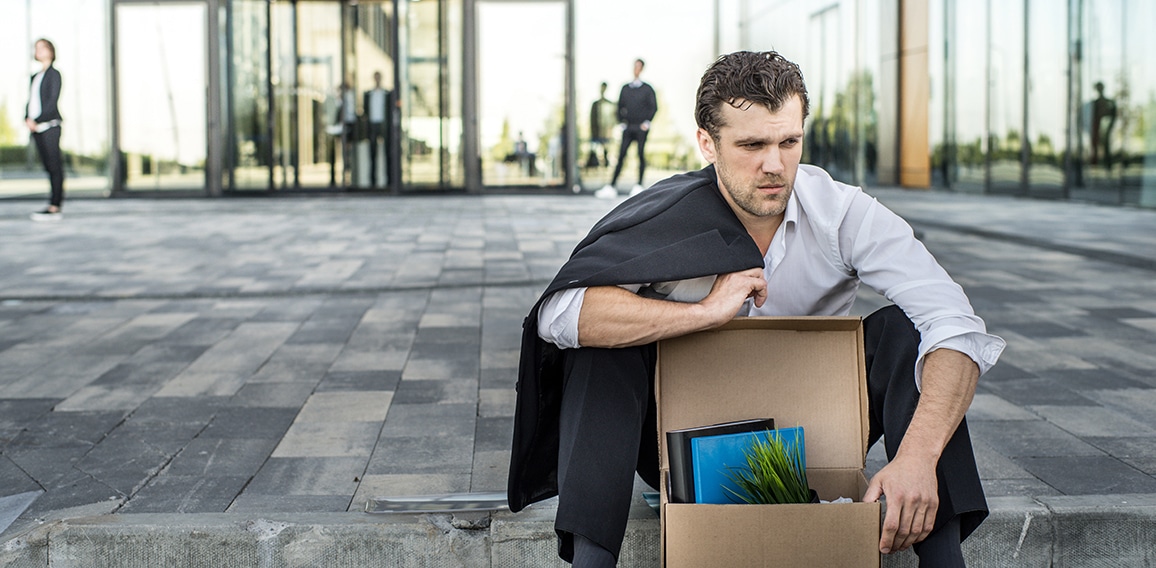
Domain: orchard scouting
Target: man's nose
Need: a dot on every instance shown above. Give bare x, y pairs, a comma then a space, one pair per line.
773, 161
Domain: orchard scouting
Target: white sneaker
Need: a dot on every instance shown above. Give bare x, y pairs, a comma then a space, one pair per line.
607, 192
636, 190
47, 215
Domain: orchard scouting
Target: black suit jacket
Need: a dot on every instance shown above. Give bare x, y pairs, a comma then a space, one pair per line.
49, 95
679, 228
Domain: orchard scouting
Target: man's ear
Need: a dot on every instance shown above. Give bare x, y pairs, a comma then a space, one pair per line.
706, 145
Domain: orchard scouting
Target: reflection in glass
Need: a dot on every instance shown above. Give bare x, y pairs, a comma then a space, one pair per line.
968, 63
1138, 116
371, 56
422, 104
1006, 97
161, 95
521, 136
1139, 160
1047, 96
1102, 91
250, 149
321, 132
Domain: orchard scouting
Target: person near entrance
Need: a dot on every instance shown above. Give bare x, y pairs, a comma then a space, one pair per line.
42, 117
602, 120
377, 112
754, 233
347, 118
637, 105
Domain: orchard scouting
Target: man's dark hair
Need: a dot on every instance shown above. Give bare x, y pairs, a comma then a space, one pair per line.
744, 78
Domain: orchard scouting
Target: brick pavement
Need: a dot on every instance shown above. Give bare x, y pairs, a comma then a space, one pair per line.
258, 356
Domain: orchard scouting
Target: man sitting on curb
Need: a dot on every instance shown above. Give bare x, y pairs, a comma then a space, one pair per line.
755, 233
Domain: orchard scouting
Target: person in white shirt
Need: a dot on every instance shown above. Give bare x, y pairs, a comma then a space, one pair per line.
42, 117
818, 240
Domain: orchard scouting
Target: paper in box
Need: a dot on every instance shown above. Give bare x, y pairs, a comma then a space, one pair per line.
803, 371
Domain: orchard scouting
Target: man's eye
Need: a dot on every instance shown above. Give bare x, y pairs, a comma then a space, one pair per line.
790, 142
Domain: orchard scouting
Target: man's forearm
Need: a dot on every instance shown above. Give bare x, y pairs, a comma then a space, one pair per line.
949, 381
614, 317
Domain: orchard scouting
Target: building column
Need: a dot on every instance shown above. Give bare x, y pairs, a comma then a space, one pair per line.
914, 95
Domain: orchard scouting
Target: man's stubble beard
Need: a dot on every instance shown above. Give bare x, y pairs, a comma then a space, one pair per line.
750, 200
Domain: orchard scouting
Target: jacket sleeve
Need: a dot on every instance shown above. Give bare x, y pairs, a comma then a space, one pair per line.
50, 95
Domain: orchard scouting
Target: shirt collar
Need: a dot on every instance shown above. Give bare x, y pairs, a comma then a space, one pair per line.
791, 215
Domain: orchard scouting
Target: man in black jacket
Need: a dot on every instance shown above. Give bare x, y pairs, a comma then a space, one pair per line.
636, 107
755, 233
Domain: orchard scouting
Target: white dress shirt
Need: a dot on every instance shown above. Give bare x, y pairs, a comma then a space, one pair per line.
34, 108
833, 237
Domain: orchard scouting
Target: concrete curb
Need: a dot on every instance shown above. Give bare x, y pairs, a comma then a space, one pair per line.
1113, 530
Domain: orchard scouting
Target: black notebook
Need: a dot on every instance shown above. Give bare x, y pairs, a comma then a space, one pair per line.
681, 488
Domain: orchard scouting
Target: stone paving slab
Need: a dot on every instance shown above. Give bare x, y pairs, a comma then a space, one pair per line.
192, 356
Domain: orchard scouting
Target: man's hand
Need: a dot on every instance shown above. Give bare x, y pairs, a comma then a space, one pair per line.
614, 317
731, 290
912, 501
31, 124
909, 481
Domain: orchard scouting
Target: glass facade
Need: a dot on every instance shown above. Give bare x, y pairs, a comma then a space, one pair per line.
1039, 98
1066, 103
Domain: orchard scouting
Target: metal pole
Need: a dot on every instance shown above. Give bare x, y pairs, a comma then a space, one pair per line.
571, 130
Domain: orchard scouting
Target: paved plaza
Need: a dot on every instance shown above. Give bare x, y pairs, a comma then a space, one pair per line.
184, 362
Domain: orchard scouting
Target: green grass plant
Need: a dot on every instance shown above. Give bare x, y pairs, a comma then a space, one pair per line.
774, 472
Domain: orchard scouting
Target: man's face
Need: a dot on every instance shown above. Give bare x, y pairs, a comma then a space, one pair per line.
637, 69
757, 156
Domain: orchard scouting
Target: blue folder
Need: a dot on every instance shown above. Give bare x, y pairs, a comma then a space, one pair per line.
712, 455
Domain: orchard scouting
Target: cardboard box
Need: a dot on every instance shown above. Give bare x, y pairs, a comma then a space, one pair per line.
805, 372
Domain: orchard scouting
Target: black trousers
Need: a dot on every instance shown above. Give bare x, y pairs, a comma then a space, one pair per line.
609, 431
48, 147
377, 133
633, 133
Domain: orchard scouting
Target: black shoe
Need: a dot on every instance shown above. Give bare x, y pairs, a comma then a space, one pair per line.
47, 215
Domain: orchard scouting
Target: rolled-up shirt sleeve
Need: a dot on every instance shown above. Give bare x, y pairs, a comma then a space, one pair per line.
558, 317
887, 257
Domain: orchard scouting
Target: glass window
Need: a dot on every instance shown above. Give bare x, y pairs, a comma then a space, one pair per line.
250, 151
968, 63
1138, 123
319, 130
1047, 96
371, 58
1006, 97
521, 136
1102, 93
161, 98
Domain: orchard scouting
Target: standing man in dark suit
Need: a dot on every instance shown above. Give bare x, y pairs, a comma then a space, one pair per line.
42, 116
636, 107
377, 111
